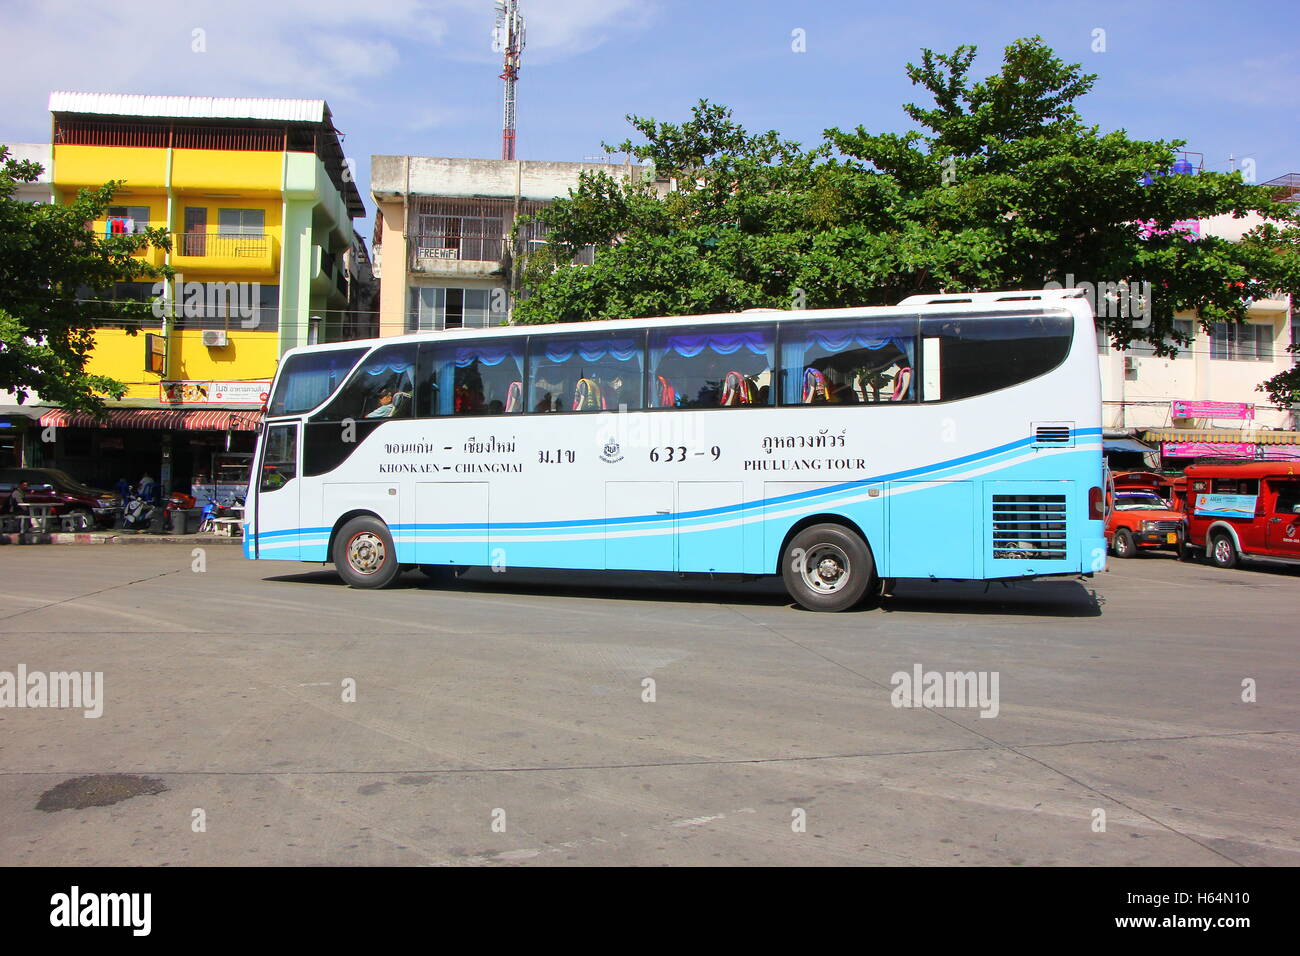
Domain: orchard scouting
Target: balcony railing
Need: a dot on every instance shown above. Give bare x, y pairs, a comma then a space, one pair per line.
216, 245
428, 251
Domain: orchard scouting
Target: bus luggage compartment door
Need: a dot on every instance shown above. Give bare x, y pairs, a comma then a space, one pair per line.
931, 529
710, 542
451, 523
639, 526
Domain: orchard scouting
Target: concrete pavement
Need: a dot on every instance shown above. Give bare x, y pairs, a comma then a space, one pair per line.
506, 719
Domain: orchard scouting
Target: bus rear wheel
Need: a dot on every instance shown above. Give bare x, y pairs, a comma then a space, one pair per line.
364, 554
827, 567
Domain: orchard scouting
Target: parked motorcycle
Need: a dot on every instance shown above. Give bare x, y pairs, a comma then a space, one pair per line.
138, 514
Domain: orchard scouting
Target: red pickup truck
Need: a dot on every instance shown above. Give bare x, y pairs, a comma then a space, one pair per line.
1139, 517
1248, 511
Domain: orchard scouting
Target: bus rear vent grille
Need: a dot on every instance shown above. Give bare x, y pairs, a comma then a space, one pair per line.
1029, 527
1052, 435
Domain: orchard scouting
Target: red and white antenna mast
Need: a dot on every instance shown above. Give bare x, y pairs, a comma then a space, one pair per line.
508, 37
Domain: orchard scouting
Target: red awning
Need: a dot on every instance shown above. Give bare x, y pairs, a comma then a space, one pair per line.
207, 420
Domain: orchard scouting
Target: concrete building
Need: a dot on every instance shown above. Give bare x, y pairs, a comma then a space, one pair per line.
43, 189
259, 207
442, 234
1216, 378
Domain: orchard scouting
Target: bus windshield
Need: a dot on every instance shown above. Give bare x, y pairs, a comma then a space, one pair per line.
309, 378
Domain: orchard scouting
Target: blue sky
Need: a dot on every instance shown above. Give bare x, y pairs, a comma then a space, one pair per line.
404, 76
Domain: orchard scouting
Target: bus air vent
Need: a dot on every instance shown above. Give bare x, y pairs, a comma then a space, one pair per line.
1053, 433
1029, 527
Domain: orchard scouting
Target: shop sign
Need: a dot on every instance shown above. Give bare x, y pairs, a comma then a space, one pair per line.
1233, 410
216, 393
1207, 449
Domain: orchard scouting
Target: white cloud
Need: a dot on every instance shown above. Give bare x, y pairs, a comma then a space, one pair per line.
339, 50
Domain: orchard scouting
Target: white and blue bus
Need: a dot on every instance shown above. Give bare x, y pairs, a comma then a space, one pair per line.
951, 437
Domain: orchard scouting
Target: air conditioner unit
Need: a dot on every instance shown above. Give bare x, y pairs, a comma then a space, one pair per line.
215, 338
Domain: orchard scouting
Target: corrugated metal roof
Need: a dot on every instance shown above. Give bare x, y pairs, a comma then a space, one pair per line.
189, 107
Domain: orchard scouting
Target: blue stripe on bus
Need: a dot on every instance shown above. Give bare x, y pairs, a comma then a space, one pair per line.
932, 470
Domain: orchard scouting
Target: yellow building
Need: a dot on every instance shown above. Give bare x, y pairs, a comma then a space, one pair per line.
259, 200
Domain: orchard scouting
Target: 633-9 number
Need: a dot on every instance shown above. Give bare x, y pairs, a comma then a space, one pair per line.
679, 453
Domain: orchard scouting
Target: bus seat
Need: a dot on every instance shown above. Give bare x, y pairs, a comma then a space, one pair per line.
667, 395
814, 384
587, 395
901, 383
514, 397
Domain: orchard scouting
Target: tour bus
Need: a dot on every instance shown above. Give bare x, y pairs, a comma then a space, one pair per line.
951, 437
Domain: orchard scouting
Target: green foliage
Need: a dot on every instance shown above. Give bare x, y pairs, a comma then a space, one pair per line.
49, 258
1002, 187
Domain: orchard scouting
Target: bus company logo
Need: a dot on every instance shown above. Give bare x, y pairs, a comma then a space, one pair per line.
610, 453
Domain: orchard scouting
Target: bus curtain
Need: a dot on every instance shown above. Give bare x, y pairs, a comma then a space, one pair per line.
313, 379
794, 351
486, 354
723, 343
623, 350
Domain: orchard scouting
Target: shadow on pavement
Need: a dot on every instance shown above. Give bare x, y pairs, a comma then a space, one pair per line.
1041, 598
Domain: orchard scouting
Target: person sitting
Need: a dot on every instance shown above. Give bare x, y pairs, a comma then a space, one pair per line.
16, 498
389, 401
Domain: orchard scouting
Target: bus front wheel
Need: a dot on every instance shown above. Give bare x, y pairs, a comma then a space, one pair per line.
364, 554
827, 567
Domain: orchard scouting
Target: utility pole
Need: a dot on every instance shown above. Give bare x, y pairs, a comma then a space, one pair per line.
508, 38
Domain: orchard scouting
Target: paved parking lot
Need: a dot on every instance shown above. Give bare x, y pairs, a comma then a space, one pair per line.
506, 719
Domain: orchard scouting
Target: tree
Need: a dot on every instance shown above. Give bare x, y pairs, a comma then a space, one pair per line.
1002, 187
57, 281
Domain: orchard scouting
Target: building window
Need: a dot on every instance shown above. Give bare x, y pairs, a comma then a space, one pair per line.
1243, 343
126, 220
434, 308
233, 306
241, 222
1181, 326
460, 229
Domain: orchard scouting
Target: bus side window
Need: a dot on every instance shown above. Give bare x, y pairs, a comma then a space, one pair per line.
382, 387
848, 363
697, 362
487, 377
280, 461
977, 354
593, 371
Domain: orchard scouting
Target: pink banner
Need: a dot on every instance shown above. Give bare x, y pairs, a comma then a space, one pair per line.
1237, 410
1280, 452
1207, 449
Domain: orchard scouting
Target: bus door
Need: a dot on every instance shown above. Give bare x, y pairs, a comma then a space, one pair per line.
276, 516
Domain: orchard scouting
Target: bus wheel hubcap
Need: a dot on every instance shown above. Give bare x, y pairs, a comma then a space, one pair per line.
1222, 550
826, 569
366, 553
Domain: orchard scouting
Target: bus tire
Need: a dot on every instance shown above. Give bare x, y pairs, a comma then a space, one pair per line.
364, 554
1124, 546
827, 567
1222, 552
